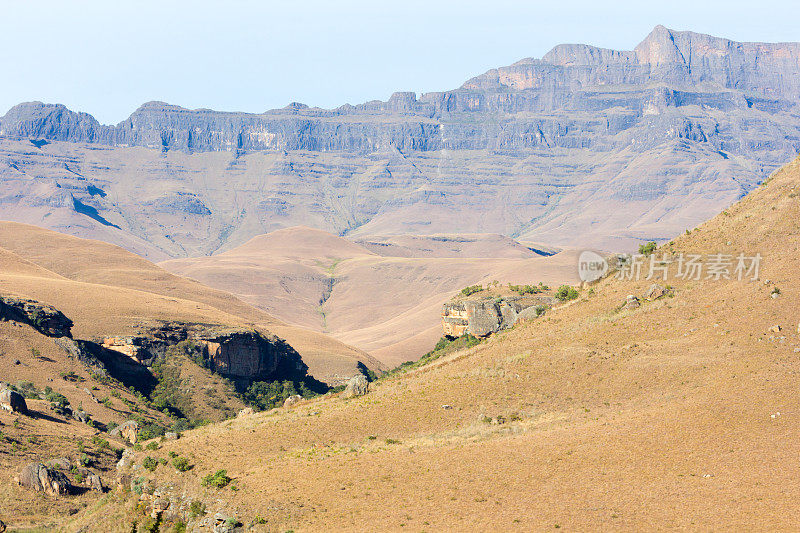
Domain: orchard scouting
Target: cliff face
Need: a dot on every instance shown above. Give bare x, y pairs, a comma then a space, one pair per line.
480, 317
600, 147
238, 354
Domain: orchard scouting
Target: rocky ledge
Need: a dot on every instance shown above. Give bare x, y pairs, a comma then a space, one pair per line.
46, 319
240, 354
482, 316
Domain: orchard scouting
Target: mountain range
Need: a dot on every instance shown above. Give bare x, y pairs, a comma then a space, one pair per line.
585, 146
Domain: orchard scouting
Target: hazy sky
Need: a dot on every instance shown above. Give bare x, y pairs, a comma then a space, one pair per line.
108, 57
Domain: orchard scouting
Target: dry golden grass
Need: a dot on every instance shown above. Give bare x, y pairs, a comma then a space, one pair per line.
106, 290
385, 300
665, 417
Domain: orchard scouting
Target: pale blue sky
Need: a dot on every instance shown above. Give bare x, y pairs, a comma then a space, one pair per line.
108, 57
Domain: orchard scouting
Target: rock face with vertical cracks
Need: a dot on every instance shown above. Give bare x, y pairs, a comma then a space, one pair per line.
240, 354
482, 316
583, 147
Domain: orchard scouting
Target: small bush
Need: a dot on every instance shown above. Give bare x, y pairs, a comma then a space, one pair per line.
181, 464
150, 463
647, 248
138, 485
101, 443
197, 508
471, 289
152, 445
566, 293
218, 479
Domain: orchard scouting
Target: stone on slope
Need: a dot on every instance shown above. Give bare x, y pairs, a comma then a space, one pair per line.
357, 386
13, 401
38, 477
655, 292
292, 400
128, 430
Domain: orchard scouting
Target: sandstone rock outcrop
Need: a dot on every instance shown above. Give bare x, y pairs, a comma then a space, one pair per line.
46, 319
11, 400
38, 477
239, 354
482, 316
128, 430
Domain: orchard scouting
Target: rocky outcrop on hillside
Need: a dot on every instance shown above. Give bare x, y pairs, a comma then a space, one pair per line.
11, 400
239, 354
46, 319
40, 478
601, 147
482, 316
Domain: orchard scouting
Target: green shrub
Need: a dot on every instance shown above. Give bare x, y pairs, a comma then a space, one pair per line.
218, 479
647, 248
471, 289
150, 463
522, 290
138, 485
181, 464
566, 293
152, 445
264, 395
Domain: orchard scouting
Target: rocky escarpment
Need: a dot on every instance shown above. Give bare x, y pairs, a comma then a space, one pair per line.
601, 147
46, 319
240, 354
667, 69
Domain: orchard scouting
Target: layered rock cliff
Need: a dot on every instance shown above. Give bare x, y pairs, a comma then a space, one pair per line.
599, 147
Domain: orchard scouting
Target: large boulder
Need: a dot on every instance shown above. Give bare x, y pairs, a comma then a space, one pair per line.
357, 386
127, 430
292, 400
247, 411
631, 303
13, 401
127, 459
94, 482
655, 292
40, 478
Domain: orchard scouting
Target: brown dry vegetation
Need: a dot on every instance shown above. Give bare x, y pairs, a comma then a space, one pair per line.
106, 290
382, 295
664, 417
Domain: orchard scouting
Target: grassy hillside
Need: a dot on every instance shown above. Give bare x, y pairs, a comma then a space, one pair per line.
382, 295
106, 290
680, 414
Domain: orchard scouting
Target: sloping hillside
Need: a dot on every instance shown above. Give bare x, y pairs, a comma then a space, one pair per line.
382, 295
678, 414
108, 291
